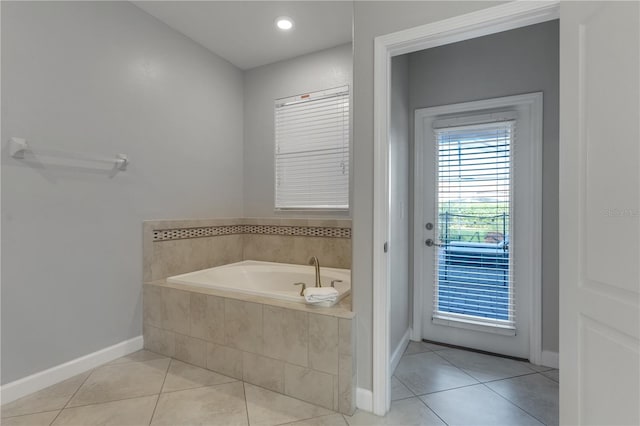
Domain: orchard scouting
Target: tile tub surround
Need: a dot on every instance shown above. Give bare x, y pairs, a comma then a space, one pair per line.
291, 348
172, 247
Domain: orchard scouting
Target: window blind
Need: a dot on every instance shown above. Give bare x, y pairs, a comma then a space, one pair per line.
473, 269
312, 150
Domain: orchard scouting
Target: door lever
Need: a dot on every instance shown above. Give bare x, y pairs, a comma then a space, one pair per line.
430, 243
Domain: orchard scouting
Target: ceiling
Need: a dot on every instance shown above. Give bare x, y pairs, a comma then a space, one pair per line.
244, 33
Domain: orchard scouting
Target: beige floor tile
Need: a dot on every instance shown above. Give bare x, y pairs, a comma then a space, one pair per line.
267, 408
52, 398
409, 411
40, 419
139, 356
419, 347
485, 367
120, 381
476, 405
214, 405
536, 394
539, 368
427, 372
128, 412
183, 376
398, 390
330, 420
552, 374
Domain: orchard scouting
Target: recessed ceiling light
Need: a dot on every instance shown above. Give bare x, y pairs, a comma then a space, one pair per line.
284, 23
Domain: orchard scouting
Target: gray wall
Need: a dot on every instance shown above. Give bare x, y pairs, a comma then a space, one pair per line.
102, 78
372, 19
262, 86
519, 61
400, 306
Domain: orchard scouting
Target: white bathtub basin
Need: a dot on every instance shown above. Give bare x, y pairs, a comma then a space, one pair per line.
267, 279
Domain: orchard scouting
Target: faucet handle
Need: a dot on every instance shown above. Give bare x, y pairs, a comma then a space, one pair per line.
304, 286
333, 282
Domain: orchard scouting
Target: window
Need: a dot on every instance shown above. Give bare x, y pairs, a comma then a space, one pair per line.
474, 205
312, 150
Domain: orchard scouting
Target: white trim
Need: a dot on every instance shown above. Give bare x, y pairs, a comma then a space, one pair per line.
364, 399
550, 359
399, 351
503, 17
43, 379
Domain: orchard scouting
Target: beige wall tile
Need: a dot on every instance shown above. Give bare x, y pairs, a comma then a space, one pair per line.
332, 252
191, 350
243, 325
309, 385
158, 340
286, 334
263, 371
323, 343
175, 310
173, 257
346, 336
152, 305
224, 360
207, 317
346, 388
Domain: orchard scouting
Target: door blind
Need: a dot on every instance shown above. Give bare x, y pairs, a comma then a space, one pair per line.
473, 267
312, 150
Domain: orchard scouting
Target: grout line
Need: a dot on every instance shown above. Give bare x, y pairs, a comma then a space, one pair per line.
433, 411
200, 387
452, 364
74, 394
450, 389
246, 404
305, 419
510, 377
403, 384
166, 373
29, 414
514, 404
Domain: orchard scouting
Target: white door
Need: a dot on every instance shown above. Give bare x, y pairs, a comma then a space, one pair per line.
599, 213
479, 190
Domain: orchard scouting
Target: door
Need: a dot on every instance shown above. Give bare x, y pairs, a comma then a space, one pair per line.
481, 253
599, 213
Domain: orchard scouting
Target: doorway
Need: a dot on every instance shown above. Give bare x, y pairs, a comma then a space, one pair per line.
503, 18
477, 222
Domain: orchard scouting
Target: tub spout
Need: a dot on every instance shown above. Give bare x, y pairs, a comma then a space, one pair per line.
313, 260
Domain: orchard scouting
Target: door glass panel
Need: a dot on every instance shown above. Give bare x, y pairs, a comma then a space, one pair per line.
473, 268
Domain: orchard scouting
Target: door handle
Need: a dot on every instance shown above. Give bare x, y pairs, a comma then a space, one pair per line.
431, 243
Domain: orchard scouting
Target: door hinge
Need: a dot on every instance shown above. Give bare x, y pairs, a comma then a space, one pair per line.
386, 247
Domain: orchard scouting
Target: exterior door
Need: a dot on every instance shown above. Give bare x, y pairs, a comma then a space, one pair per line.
599, 213
479, 210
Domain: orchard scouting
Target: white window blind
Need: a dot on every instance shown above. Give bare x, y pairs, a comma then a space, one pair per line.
312, 150
473, 269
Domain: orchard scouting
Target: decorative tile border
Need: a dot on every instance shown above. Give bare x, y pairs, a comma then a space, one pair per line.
211, 231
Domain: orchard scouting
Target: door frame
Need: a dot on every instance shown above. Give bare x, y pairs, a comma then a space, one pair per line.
528, 107
487, 21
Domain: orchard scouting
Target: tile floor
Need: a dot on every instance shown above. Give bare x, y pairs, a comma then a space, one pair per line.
433, 385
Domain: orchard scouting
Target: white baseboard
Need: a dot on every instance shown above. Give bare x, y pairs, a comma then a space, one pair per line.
364, 399
397, 353
550, 359
43, 379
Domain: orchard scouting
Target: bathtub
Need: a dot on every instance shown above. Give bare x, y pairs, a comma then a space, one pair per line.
267, 279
